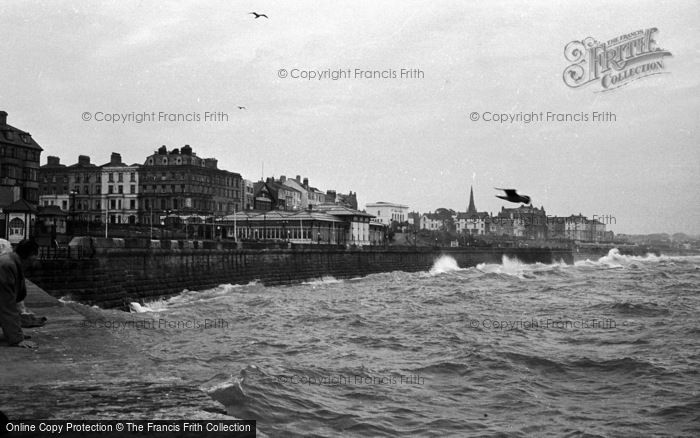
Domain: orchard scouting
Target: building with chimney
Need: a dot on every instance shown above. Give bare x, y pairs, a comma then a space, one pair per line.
310, 196
524, 221
576, 227
349, 200
178, 182
274, 194
19, 166
119, 194
75, 189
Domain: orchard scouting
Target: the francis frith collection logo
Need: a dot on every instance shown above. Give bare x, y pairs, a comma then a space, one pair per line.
614, 63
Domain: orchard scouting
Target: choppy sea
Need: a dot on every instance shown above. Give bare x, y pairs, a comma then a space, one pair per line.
607, 347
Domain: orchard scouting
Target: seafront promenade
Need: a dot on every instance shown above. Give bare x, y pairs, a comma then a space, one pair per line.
79, 371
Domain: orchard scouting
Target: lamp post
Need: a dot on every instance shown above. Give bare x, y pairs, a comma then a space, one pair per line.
165, 222
72, 211
106, 217
235, 228
213, 230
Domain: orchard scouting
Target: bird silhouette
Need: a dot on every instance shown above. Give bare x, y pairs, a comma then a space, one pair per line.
241, 108
512, 196
258, 15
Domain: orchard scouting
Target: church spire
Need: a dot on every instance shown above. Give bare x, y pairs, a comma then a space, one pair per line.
472, 208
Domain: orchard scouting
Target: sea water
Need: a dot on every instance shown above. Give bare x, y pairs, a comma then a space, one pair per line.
607, 347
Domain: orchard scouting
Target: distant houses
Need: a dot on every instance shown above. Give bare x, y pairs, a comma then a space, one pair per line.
523, 222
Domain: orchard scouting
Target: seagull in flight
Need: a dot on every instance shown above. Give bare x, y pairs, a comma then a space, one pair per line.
258, 15
512, 196
242, 108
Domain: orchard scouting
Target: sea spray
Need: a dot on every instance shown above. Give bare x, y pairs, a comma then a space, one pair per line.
444, 264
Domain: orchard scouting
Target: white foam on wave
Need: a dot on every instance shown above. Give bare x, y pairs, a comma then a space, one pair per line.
148, 307
444, 264
516, 268
508, 266
613, 259
326, 279
188, 298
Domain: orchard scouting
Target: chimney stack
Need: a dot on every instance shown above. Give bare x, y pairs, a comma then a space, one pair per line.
298, 178
53, 161
83, 159
115, 158
3, 118
306, 183
283, 178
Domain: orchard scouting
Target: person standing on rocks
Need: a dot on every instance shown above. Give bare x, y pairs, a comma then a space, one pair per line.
13, 290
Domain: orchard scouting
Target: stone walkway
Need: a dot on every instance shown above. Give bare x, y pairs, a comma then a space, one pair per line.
83, 372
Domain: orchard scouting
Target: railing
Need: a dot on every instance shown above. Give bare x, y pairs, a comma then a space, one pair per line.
62, 252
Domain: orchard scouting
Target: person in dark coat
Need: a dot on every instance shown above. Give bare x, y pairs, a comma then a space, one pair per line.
13, 290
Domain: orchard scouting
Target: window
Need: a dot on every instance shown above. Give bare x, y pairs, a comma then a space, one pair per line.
113, 204
132, 204
120, 177
132, 189
133, 177
110, 189
111, 177
17, 227
121, 190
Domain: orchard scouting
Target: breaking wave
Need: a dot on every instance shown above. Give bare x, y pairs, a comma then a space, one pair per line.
444, 264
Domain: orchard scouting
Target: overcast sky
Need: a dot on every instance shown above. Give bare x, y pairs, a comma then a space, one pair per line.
409, 141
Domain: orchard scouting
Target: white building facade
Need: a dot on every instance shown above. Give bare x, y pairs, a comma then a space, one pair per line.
388, 212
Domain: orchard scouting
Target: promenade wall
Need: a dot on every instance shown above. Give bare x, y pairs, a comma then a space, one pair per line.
112, 274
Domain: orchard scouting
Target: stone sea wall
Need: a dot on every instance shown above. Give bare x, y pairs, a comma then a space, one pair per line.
112, 274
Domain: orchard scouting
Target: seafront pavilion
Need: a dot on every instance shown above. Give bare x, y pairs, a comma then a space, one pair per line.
306, 226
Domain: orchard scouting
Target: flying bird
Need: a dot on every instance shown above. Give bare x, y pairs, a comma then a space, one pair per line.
512, 196
241, 108
258, 15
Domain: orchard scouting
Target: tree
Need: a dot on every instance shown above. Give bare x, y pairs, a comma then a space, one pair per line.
446, 216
